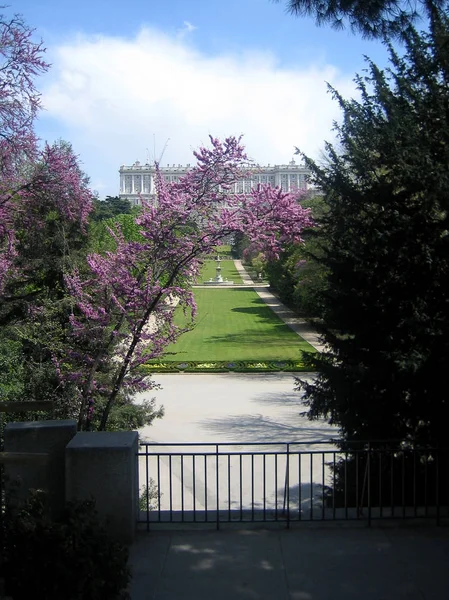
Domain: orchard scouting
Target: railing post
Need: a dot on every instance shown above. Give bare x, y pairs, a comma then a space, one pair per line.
369, 483
437, 483
147, 488
287, 483
218, 487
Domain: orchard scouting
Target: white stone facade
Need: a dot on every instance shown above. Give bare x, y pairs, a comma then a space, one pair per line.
137, 180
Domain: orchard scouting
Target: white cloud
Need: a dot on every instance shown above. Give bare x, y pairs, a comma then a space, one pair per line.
114, 96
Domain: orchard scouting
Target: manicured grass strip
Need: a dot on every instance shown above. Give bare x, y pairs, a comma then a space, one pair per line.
235, 325
228, 271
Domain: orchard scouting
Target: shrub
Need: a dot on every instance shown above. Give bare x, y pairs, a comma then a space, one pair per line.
149, 497
69, 557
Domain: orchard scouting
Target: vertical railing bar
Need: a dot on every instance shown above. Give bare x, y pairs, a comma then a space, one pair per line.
426, 481
229, 487
194, 486
252, 487
444, 471
323, 460
299, 487
218, 486
346, 486
357, 499
241, 490
276, 486
182, 488
158, 487
287, 483
147, 488
264, 486
170, 486
415, 507
311, 486
206, 515
437, 483
380, 485
369, 483
403, 484
334, 463
392, 483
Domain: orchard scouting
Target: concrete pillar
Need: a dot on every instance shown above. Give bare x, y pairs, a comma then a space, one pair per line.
103, 465
38, 437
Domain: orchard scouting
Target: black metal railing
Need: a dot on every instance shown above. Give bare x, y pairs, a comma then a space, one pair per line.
290, 482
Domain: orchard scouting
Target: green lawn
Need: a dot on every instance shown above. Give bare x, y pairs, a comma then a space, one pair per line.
228, 271
235, 325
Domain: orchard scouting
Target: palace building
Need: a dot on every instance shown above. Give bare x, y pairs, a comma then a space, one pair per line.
137, 180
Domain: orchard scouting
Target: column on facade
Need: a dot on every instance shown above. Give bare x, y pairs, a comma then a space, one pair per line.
277, 179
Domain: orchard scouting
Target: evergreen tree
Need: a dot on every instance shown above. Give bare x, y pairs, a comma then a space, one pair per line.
372, 18
386, 307
297, 276
109, 208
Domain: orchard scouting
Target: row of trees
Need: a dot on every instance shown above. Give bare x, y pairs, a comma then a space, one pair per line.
81, 313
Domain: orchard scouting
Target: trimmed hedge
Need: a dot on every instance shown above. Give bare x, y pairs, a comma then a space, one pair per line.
241, 366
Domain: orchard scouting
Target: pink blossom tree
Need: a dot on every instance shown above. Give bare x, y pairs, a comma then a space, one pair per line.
44, 205
123, 312
20, 62
33, 181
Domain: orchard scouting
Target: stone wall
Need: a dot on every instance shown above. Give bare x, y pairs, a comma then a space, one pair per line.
77, 466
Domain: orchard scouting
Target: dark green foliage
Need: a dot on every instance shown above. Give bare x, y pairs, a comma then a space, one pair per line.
109, 208
11, 370
373, 18
71, 557
298, 277
386, 307
126, 416
238, 244
100, 238
34, 308
283, 276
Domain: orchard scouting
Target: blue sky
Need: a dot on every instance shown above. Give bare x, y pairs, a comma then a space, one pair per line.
128, 76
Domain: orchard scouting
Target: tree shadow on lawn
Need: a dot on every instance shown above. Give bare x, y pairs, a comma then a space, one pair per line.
263, 312
248, 337
263, 429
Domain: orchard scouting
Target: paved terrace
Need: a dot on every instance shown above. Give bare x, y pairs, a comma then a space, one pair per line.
306, 563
